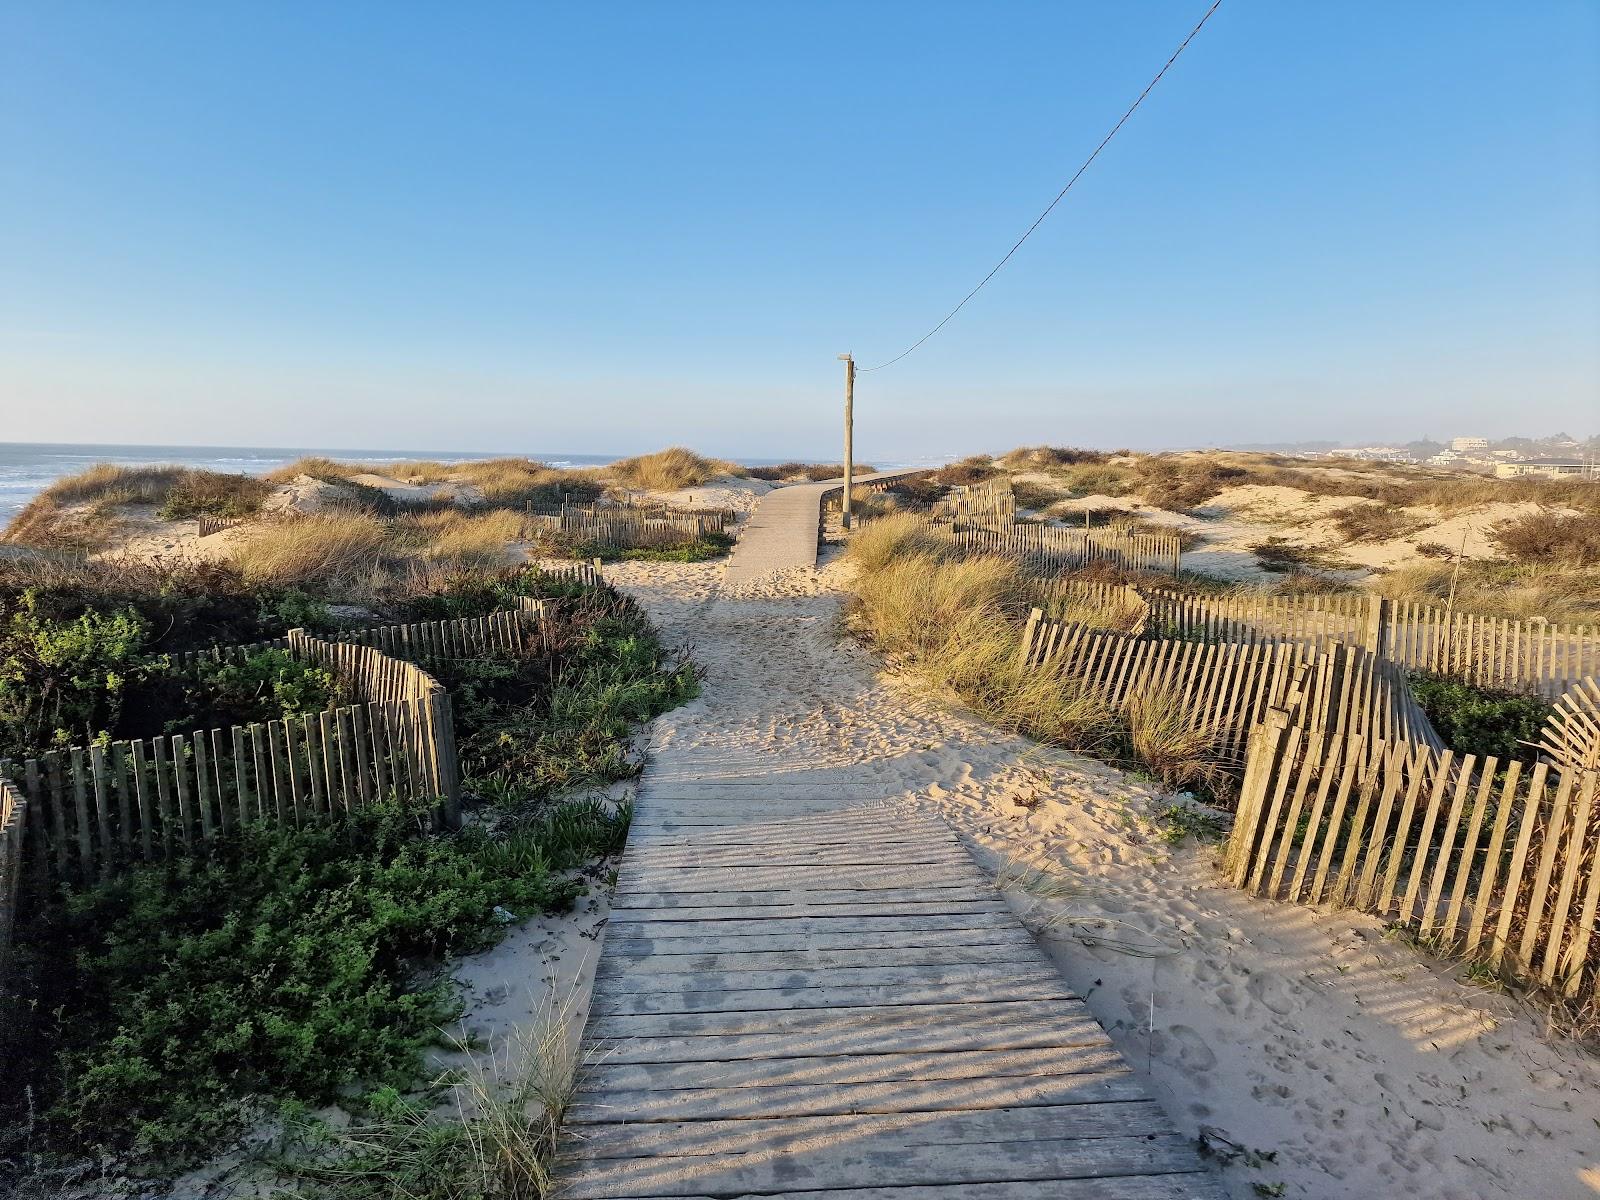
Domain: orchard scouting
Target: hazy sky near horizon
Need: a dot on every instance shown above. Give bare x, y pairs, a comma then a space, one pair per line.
603, 227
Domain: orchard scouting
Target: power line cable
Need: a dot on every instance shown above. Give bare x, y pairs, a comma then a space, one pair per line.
1149, 87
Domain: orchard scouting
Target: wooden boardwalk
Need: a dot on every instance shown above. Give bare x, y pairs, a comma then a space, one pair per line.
783, 531
799, 999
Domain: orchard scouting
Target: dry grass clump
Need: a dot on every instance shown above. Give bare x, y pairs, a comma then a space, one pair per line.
476, 538
671, 469
1179, 752
875, 544
1520, 592
957, 624
1037, 496
1049, 458
1376, 523
517, 482
1096, 479
79, 511
501, 482
1182, 483
317, 467
1280, 554
971, 470
1551, 539
312, 549
1119, 612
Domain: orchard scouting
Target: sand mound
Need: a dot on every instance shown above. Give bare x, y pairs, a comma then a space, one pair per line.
724, 491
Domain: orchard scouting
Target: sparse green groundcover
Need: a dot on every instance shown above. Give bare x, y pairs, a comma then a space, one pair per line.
1481, 721
299, 967
701, 549
282, 966
80, 663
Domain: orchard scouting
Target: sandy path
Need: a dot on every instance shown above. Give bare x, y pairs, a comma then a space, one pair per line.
1362, 1069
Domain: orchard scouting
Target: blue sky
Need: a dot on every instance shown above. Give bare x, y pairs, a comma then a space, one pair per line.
605, 227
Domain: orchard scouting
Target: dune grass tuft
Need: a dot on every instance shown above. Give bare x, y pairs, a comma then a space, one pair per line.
79, 511
671, 469
1166, 738
311, 549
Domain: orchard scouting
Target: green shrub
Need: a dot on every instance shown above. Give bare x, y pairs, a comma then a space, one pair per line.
195, 492
527, 729
455, 594
64, 680
280, 966
1481, 721
267, 685
700, 549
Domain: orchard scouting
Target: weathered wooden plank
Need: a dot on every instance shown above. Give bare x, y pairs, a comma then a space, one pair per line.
1067, 1021
864, 1133
731, 998
634, 923
877, 878
840, 1167
617, 964
801, 1100
866, 901
863, 976
639, 947
963, 1067
762, 858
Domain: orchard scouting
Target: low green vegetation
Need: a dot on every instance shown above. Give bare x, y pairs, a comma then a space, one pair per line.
1481, 721
701, 549
529, 728
286, 968
281, 967
88, 654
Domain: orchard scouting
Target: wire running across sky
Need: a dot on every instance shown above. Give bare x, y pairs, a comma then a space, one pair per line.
1104, 142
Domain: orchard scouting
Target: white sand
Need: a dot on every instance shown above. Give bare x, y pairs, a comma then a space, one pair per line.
1237, 519
724, 491
1365, 1069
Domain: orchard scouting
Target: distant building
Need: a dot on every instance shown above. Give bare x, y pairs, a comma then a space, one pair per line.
1466, 445
1548, 468
1395, 454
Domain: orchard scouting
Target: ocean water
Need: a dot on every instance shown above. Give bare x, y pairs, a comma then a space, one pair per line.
26, 469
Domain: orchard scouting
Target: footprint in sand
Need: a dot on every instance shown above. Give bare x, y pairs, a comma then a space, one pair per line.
1273, 992
1193, 1055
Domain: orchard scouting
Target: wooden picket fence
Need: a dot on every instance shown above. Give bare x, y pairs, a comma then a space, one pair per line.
1533, 656
13, 826
988, 505
1118, 607
626, 529
93, 809
1048, 549
1571, 734
1490, 861
1225, 689
209, 524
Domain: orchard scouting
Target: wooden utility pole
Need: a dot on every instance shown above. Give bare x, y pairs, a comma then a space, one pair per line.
849, 431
